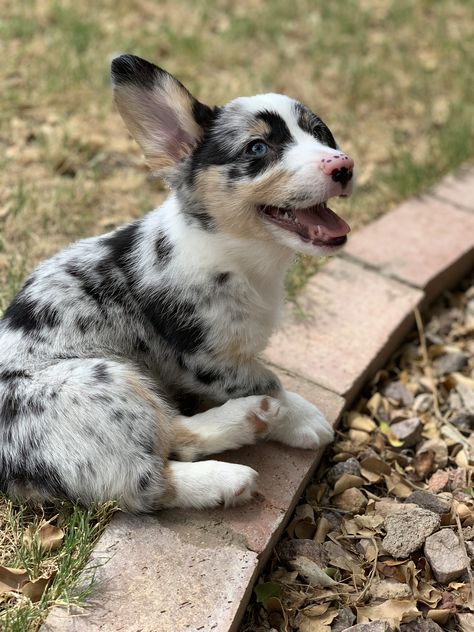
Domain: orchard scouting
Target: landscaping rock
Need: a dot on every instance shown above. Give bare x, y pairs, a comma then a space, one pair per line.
421, 625
429, 501
445, 556
291, 549
408, 431
386, 506
450, 363
470, 549
464, 420
373, 626
399, 393
351, 466
345, 618
406, 532
389, 589
439, 449
438, 482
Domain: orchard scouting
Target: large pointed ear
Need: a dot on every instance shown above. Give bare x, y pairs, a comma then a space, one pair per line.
162, 116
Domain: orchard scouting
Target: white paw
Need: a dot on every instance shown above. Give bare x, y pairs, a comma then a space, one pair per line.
206, 484
252, 416
301, 424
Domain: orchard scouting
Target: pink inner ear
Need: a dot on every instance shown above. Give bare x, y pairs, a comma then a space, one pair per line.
174, 136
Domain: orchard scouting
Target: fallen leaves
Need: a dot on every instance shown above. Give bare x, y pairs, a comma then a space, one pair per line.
376, 535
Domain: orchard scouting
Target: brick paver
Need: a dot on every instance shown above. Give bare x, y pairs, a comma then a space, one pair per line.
353, 319
194, 570
458, 188
424, 242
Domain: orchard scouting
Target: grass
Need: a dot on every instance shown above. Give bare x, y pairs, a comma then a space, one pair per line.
392, 78
20, 547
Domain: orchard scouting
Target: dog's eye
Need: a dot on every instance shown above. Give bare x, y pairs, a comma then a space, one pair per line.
257, 148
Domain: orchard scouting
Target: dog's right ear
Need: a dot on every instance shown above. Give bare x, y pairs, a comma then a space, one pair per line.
162, 116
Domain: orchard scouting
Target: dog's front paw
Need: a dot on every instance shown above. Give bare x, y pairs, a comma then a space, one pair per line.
301, 424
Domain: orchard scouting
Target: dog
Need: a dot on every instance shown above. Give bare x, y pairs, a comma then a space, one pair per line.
128, 358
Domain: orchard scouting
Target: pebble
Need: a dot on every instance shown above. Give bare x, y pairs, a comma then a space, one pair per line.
439, 449
399, 393
439, 481
408, 431
386, 507
450, 363
373, 626
345, 618
421, 625
423, 403
290, 549
429, 501
351, 466
406, 532
389, 589
464, 420
445, 556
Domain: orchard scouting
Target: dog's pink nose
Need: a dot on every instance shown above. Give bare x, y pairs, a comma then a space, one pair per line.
339, 167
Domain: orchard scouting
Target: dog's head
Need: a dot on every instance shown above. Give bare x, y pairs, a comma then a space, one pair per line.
261, 167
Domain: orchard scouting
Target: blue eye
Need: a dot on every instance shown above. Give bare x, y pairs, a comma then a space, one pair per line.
258, 148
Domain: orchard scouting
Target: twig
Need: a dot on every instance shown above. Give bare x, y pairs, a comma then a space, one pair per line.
463, 544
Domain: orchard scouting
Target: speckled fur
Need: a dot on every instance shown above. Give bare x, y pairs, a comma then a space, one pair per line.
114, 349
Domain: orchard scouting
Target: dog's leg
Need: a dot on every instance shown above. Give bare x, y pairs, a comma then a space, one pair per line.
298, 423
207, 484
236, 423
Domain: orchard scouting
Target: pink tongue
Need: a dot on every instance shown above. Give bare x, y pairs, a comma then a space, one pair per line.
322, 223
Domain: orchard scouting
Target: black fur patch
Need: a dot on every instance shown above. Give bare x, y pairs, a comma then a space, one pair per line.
7, 375
175, 321
163, 249
121, 244
101, 373
127, 69
222, 277
10, 404
312, 124
201, 218
26, 314
208, 376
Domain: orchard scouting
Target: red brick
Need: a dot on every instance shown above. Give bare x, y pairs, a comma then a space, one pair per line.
458, 188
353, 319
424, 242
195, 570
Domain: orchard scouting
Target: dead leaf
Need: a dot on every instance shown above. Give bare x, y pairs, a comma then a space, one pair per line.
49, 537
12, 579
35, 589
311, 572
346, 481
390, 435
321, 623
356, 421
395, 611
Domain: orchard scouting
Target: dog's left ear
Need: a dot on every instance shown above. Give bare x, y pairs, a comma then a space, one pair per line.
162, 116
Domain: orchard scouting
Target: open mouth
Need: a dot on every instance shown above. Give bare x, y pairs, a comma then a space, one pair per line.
316, 224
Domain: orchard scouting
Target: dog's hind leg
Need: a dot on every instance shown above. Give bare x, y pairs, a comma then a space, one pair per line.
238, 422
94, 430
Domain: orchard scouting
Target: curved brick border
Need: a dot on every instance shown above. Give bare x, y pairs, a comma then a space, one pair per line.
194, 571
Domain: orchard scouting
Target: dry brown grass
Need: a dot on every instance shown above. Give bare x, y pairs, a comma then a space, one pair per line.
391, 78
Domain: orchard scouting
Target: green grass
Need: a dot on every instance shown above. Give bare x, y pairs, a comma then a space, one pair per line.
81, 529
392, 78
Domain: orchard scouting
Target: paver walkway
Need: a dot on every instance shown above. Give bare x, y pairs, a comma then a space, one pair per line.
194, 571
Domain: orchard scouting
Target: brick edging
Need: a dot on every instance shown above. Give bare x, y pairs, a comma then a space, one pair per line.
190, 571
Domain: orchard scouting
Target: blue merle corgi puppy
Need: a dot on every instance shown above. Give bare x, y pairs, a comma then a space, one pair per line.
127, 359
